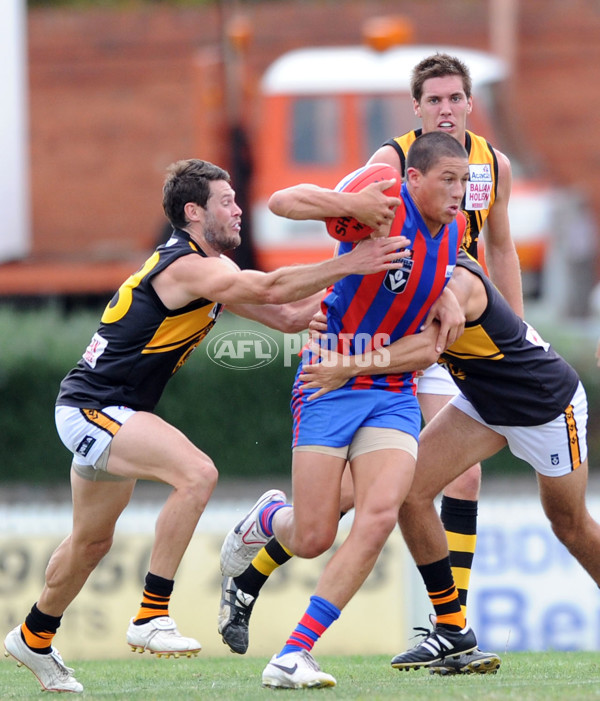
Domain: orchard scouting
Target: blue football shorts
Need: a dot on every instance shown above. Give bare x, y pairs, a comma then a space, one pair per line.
334, 418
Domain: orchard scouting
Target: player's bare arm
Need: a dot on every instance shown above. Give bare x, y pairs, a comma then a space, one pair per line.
292, 317
370, 206
500, 254
448, 312
193, 277
386, 154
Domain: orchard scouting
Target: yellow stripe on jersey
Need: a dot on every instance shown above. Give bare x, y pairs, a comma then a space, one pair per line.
177, 331
102, 420
475, 343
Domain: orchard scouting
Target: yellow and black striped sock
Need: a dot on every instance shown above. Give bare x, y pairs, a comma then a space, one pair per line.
272, 556
266, 561
155, 599
443, 594
39, 630
459, 517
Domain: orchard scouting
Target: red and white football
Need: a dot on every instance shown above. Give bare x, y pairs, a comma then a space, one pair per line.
349, 228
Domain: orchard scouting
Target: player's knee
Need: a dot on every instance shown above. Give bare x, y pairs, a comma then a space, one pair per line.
201, 476
386, 522
313, 542
97, 550
466, 486
409, 513
378, 526
209, 473
414, 501
569, 523
566, 527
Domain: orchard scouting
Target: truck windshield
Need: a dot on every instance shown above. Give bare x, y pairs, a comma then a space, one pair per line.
315, 129
384, 117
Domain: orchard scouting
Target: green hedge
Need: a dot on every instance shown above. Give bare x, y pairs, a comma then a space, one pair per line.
241, 418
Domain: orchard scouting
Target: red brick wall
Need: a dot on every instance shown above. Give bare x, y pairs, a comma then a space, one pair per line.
112, 100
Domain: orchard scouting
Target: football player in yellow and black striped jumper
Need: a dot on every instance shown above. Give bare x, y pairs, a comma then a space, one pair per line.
515, 390
105, 407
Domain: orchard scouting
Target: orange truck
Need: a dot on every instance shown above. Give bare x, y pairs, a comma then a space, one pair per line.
323, 111
315, 115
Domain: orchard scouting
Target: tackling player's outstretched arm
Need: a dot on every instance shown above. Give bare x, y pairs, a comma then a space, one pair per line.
215, 278
291, 317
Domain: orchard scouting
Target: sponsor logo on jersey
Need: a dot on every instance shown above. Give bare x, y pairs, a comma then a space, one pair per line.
480, 172
94, 350
479, 187
396, 280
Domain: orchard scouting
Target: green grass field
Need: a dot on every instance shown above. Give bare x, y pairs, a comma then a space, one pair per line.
546, 676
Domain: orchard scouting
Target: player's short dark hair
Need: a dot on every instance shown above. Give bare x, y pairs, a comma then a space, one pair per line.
188, 181
429, 148
437, 66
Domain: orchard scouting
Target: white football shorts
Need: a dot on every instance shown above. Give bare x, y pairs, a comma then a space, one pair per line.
436, 380
88, 433
552, 449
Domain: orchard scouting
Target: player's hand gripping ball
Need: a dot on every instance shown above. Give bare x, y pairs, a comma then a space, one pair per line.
349, 228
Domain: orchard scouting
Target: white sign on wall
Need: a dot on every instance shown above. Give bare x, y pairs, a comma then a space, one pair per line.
94, 626
527, 591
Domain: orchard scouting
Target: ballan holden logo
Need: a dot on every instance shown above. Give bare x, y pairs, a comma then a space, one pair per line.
242, 350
